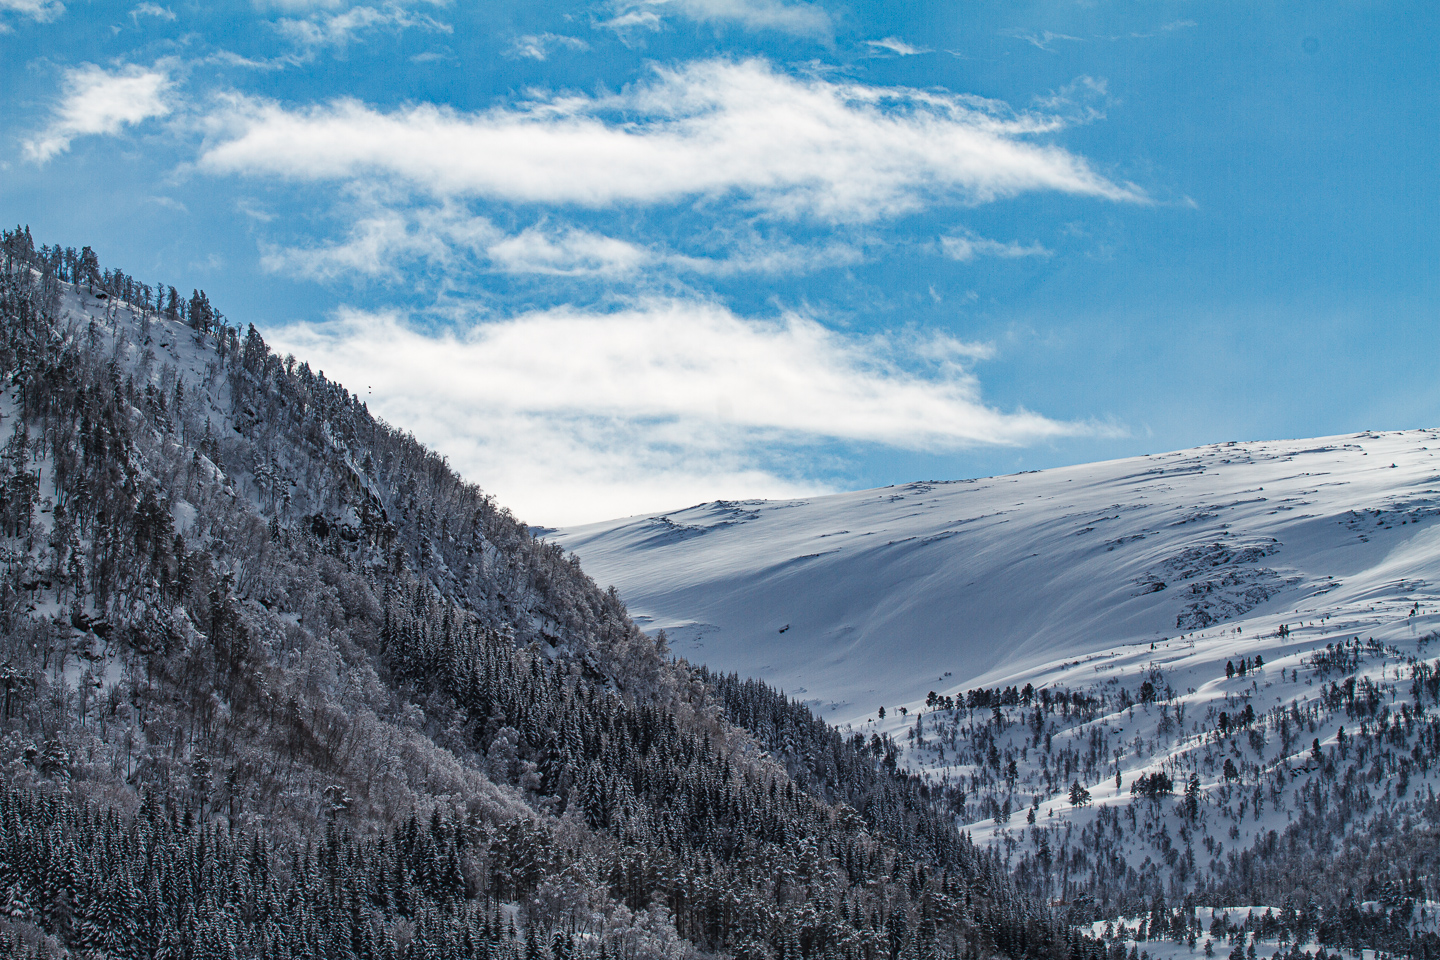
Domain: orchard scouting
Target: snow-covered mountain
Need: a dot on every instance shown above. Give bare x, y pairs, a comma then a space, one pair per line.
858, 600
1201, 677
1061, 654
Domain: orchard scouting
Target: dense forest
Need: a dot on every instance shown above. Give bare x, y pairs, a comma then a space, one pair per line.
278, 682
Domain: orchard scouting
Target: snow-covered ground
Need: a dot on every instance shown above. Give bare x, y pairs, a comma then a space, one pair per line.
159, 353
1067, 576
1099, 606
1218, 616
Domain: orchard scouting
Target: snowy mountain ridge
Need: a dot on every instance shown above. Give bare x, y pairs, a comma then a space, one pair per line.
855, 600
1197, 674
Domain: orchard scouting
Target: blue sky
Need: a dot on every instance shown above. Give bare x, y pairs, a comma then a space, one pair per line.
622, 256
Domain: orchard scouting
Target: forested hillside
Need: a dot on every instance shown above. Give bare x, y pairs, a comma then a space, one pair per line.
278, 682
1153, 825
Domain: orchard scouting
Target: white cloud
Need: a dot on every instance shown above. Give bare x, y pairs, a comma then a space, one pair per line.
384, 239
1044, 40
801, 19
99, 101
381, 242
41, 11
570, 416
630, 21
253, 210
896, 46
311, 6
765, 255
1159, 31
151, 10
1082, 100
340, 29
967, 246
227, 58
537, 46
789, 145
299, 6
567, 252
370, 250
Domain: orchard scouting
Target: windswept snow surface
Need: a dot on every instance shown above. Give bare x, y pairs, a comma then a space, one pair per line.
858, 600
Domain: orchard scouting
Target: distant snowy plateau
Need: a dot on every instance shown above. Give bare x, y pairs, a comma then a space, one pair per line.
1057, 578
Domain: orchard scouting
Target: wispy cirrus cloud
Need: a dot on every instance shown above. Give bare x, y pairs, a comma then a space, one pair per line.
574, 415
325, 29
308, 7
1082, 100
571, 251
381, 240
967, 245
1041, 39
567, 252
896, 46
538, 46
796, 17
791, 146
385, 241
754, 254
99, 101
151, 10
1160, 31
40, 11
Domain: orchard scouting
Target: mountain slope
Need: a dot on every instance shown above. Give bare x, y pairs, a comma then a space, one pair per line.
861, 599
1195, 678
252, 639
